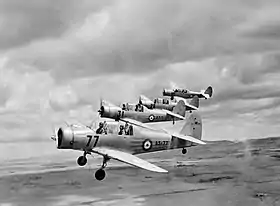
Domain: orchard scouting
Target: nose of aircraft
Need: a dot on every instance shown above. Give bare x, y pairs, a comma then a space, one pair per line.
64, 138
167, 92
101, 111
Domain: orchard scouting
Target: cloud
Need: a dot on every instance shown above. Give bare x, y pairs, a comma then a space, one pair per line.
131, 37
57, 60
24, 22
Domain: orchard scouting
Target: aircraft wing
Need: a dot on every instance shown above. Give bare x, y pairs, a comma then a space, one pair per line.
180, 136
128, 159
189, 106
173, 114
137, 123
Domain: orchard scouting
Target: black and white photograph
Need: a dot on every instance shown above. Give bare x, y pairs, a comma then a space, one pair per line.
139, 103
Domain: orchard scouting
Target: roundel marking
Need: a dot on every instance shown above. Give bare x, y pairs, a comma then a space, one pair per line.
151, 117
147, 145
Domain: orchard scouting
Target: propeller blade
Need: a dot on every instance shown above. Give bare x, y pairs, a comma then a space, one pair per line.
67, 124
53, 137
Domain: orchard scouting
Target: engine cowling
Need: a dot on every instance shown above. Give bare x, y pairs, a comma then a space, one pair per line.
110, 112
65, 138
168, 92
148, 104
78, 138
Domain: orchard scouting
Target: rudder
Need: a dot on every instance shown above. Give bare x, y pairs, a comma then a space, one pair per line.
195, 101
209, 91
193, 126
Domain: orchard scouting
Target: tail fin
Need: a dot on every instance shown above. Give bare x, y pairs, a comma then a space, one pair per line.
195, 101
208, 92
180, 108
193, 126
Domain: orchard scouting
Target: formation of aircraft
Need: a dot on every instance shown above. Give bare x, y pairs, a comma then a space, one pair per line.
141, 113
168, 104
127, 133
124, 146
187, 94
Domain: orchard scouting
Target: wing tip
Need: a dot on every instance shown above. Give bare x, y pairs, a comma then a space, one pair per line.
161, 170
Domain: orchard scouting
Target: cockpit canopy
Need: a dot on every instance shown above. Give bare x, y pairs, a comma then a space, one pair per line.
163, 101
117, 128
181, 90
132, 107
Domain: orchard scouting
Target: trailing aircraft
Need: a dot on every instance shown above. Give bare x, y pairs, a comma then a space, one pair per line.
168, 104
122, 141
188, 94
138, 112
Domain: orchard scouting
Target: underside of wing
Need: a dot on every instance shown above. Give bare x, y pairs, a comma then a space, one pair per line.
128, 159
174, 115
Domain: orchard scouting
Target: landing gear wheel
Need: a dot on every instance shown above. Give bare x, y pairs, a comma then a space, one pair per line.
100, 174
82, 161
184, 151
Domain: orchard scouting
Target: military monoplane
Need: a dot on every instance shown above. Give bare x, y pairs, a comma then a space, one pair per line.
130, 112
115, 143
188, 94
168, 103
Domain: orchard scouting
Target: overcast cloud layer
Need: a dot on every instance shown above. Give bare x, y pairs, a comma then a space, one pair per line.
58, 57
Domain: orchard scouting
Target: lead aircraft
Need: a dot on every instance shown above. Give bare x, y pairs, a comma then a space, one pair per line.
168, 104
123, 147
187, 94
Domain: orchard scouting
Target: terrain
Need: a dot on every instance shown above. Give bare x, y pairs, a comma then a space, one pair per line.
219, 173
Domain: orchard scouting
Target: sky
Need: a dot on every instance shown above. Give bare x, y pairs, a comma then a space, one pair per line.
58, 58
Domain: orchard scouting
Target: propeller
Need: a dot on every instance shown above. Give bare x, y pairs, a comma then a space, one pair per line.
140, 100
90, 125
101, 107
54, 135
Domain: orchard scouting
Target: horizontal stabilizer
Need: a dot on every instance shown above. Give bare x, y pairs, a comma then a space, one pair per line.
128, 159
188, 138
184, 137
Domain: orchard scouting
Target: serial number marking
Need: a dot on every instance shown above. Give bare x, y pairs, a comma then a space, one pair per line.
161, 142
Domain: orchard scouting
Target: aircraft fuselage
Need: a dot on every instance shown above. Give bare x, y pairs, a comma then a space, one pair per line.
144, 117
141, 141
